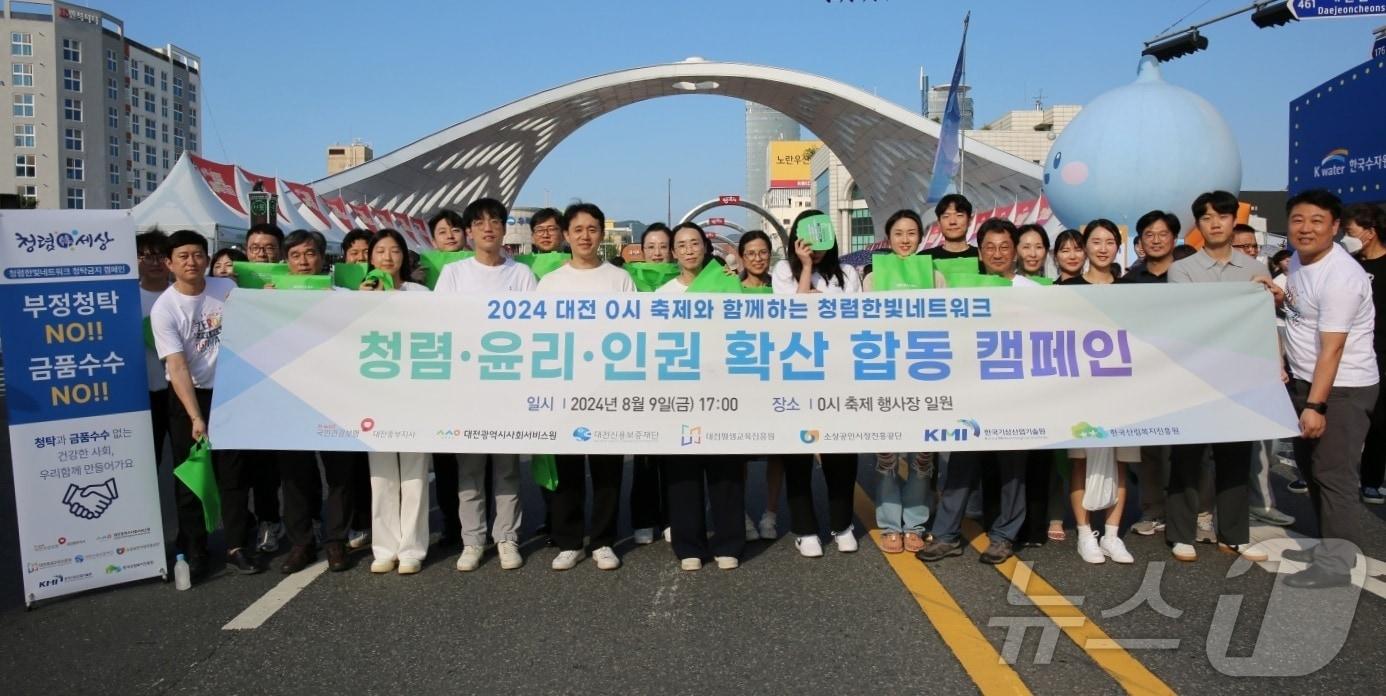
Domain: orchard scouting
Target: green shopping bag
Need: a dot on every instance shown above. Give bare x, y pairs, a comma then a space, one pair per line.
433, 262
349, 275
197, 473
386, 281
714, 278
544, 468
762, 290
649, 276
965, 264
303, 282
543, 264
976, 280
253, 275
895, 272
149, 334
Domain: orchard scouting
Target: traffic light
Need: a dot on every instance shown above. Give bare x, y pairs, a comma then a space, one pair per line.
1177, 47
1273, 14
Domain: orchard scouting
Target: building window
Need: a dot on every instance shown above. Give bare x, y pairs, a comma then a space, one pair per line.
72, 79
113, 173
135, 96
134, 70
112, 117
23, 106
112, 89
135, 176
177, 112
166, 162
76, 199
177, 87
72, 139
24, 166
149, 129
135, 201
113, 147
134, 124
24, 135
192, 91
863, 230
149, 75
148, 101
151, 181
111, 64
29, 192
22, 74
820, 192
163, 80
178, 139
163, 127
192, 145
76, 169
72, 109
115, 200
163, 106
151, 158
21, 43
72, 50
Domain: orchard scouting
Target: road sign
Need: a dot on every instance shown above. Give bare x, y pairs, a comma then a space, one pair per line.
1327, 9
729, 200
1379, 48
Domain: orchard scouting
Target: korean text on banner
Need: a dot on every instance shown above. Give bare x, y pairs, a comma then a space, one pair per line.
947, 370
78, 401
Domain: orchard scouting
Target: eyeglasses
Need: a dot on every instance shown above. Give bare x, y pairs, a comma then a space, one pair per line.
1248, 248
756, 255
546, 230
262, 248
1157, 235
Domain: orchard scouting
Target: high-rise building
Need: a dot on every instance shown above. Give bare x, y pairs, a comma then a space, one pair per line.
97, 118
341, 157
763, 125
934, 100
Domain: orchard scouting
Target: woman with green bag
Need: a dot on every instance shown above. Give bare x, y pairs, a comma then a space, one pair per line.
399, 480
718, 478
754, 250
649, 494
902, 267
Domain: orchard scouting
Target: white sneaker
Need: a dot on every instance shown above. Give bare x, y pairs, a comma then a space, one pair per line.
1114, 548
727, 562
644, 535
809, 546
1089, 550
606, 558
691, 564
382, 565
408, 567
359, 538
668, 535
846, 541
565, 560
1205, 533
1184, 552
267, 537
470, 558
509, 553
751, 533
767, 527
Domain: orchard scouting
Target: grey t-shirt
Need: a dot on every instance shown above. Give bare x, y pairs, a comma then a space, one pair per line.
1201, 268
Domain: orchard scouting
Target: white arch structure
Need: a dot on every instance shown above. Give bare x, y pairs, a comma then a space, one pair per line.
888, 149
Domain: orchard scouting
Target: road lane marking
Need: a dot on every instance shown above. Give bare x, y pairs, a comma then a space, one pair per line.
974, 652
1276, 540
274, 600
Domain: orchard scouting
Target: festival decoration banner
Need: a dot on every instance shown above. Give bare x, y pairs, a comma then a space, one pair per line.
994, 368
87, 496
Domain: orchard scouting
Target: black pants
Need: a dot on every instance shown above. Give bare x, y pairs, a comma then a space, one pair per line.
1332, 474
264, 480
725, 489
303, 496
840, 477
566, 515
359, 465
158, 418
1231, 476
233, 482
1374, 451
649, 494
1039, 469
445, 483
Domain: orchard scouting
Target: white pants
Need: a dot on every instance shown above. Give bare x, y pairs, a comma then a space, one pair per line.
471, 497
399, 505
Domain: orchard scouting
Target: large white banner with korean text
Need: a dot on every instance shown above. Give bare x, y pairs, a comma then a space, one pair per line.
1002, 368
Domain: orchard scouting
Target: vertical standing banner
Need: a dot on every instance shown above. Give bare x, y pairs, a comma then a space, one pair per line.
86, 490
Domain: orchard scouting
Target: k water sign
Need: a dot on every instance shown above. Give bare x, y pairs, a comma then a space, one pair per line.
86, 492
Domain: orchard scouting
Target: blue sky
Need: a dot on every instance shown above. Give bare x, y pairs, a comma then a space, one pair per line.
285, 79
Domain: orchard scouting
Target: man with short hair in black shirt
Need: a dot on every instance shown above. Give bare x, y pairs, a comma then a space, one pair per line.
1155, 235
1367, 223
954, 214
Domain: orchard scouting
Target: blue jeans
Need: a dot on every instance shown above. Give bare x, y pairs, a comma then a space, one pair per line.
903, 506
963, 475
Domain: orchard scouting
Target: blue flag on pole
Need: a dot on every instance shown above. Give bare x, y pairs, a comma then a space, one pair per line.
948, 157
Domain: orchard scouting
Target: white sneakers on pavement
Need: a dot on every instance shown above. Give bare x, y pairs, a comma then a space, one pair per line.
767, 527
809, 546
1089, 549
606, 558
509, 553
1184, 552
644, 535
751, 533
691, 564
470, 558
845, 540
727, 562
1114, 548
565, 560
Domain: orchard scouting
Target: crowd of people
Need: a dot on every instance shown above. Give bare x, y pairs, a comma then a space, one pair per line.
1326, 308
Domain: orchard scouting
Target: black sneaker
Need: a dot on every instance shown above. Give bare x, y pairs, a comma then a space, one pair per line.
243, 562
1298, 486
938, 550
197, 566
1298, 555
998, 552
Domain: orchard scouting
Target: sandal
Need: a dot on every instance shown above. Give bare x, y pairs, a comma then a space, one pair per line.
891, 542
1056, 533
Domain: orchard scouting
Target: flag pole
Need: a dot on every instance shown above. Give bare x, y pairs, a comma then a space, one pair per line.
962, 133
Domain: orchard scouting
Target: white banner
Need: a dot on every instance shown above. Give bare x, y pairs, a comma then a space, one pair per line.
85, 479
1000, 368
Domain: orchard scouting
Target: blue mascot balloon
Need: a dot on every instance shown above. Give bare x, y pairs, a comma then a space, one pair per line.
1145, 146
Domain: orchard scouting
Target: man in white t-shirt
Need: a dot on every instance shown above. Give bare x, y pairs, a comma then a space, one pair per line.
1329, 327
584, 225
149, 246
488, 273
187, 322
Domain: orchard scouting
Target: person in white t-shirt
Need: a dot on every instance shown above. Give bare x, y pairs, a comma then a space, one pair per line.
1329, 327
186, 321
807, 271
584, 225
149, 246
488, 273
399, 480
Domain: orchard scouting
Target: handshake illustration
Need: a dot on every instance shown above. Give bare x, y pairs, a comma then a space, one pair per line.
90, 502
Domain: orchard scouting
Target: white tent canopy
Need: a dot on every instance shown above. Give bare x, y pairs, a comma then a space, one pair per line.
184, 202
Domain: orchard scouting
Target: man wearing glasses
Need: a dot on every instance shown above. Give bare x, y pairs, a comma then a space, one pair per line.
1244, 240
545, 230
262, 245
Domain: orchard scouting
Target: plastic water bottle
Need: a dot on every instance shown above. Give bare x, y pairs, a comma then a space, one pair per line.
182, 577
